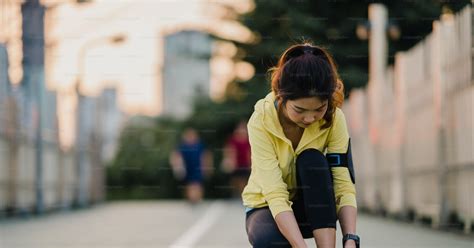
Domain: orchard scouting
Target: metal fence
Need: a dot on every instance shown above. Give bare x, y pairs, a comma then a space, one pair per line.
415, 155
18, 167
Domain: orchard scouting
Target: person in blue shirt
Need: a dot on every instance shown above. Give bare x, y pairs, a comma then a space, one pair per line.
191, 163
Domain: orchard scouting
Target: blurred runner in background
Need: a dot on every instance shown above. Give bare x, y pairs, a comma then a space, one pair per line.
191, 164
236, 159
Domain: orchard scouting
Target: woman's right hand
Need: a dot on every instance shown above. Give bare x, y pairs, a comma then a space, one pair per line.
288, 226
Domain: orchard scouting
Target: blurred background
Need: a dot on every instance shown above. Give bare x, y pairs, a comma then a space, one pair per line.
99, 100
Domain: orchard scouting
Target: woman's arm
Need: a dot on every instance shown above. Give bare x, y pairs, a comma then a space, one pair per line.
288, 226
344, 187
347, 219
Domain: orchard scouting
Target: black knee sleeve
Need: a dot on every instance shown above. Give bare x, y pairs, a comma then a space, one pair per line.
316, 187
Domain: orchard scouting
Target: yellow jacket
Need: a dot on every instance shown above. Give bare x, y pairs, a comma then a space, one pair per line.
272, 181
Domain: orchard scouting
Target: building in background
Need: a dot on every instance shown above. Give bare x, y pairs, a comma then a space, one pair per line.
114, 120
4, 80
186, 71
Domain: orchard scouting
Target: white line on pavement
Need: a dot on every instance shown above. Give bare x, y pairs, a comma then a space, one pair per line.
189, 238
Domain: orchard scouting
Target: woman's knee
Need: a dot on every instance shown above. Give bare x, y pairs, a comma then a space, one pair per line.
311, 154
312, 159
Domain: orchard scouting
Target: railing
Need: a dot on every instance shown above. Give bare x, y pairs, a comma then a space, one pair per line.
422, 161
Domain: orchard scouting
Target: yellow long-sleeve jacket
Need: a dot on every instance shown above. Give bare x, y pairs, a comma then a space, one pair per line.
272, 180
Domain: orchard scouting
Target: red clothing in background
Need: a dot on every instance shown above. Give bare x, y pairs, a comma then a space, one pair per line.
242, 149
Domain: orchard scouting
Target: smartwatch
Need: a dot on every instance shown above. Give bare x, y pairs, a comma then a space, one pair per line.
351, 236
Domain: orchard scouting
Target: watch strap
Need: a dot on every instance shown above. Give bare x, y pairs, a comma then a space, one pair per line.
354, 237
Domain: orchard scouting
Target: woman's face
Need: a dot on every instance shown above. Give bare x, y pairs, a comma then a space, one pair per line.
306, 111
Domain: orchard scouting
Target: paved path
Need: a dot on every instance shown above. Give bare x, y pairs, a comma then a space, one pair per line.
175, 224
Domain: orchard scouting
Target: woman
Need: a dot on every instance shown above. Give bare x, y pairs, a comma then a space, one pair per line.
295, 191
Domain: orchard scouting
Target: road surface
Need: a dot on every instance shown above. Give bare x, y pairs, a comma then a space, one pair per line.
174, 224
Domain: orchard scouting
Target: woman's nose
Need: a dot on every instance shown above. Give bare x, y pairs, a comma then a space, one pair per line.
309, 119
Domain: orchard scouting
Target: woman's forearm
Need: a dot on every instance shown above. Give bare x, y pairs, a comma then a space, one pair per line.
347, 219
288, 226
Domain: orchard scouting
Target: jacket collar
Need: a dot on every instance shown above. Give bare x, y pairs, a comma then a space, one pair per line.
272, 123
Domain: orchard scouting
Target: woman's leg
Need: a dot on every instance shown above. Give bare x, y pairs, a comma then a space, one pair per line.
316, 188
263, 231
314, 207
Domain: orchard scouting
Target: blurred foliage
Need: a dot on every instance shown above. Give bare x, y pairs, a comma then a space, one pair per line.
332, 24
141, 168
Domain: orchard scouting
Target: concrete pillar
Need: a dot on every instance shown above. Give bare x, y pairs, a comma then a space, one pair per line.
377, 66
33, 80
440, 122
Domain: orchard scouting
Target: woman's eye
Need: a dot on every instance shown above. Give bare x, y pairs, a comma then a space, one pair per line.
299, 112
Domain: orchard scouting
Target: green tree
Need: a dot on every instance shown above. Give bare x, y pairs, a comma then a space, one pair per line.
140, 169
331, 24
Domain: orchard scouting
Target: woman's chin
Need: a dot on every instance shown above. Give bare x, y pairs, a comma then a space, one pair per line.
303, 125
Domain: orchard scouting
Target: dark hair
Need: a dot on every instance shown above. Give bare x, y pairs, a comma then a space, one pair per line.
305, 70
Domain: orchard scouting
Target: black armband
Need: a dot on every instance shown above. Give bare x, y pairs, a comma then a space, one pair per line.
342, 160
